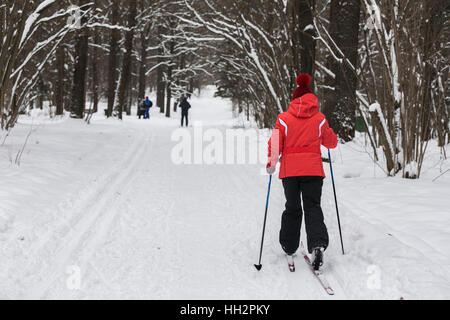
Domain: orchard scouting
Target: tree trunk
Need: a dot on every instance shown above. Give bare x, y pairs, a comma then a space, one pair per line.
142, 66
95, 77
78, 100
431, 29
293, 7
160, 85
169, 91
129, 98
307, 42
169, 80
385, 143
160, 88
342, 115
329, 93
59, 88
112, 67
40, 92
126, 66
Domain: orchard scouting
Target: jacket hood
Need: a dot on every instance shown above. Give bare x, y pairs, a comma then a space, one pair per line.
306, 106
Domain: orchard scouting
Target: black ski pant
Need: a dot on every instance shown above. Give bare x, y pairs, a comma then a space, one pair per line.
185, 115
310, 189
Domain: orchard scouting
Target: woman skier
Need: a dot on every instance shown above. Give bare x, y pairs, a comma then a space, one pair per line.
297, 138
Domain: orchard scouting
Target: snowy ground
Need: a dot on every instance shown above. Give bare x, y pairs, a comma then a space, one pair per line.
107, 201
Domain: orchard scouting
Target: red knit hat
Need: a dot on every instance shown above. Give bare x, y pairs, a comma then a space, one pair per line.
303, 81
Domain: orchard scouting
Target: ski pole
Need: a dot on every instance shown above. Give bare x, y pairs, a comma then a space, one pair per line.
259, 266
335, 200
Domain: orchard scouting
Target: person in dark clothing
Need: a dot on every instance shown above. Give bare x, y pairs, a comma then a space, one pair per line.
141, 109
297, 138
185, 106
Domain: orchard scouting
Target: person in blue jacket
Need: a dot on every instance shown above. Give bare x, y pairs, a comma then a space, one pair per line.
149, 104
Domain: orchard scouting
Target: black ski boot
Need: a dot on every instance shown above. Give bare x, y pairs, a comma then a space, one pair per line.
317, 258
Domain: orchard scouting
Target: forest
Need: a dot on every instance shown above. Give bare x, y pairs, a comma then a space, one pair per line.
379, 66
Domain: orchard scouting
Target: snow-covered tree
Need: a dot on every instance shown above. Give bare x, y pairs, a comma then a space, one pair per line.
28, 43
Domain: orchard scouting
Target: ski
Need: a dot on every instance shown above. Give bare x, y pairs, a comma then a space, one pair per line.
319, 274
291, 263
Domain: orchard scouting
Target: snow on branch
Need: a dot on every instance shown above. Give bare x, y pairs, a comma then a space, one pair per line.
238, 34
376, 109
34, 18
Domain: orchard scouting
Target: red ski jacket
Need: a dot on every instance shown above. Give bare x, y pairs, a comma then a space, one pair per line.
297, 138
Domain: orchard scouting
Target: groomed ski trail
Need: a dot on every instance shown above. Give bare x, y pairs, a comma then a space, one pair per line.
149, 229
108, 200
92, 218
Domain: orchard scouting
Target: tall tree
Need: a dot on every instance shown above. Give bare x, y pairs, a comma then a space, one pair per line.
95, 72
127, 59
329, 78
143, 60
160, 84
113, 49
160, 87
59, 86
305, 10
78, 100
169, 84
171, 63
341, 101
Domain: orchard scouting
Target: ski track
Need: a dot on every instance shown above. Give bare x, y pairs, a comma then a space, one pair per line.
150, 229
144, 228
92, 219
107, 209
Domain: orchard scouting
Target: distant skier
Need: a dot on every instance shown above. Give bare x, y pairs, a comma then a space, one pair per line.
185, 106
297, 138
141, 109
148, 105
